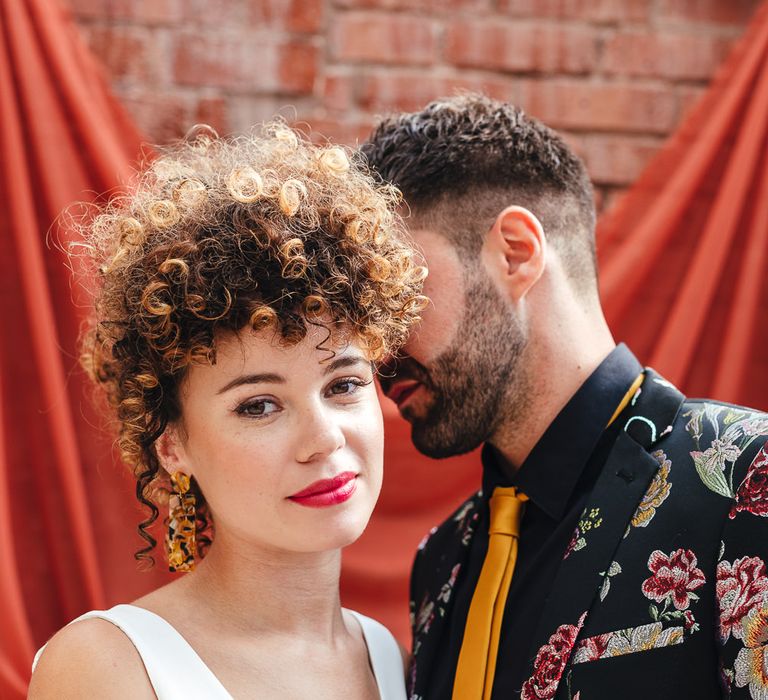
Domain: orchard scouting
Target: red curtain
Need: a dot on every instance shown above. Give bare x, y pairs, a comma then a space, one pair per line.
683, 256
682, 260
63, 507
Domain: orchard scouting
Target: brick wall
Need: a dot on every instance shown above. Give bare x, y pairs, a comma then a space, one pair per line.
614, 75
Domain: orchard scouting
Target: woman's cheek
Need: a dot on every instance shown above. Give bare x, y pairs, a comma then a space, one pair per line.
371, 438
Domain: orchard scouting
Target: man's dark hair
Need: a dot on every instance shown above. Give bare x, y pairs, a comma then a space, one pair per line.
461, 160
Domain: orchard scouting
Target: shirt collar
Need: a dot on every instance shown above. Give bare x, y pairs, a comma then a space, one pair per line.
551, 471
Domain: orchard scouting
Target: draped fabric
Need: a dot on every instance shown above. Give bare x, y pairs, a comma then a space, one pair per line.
63, 508
683, 256
682, 260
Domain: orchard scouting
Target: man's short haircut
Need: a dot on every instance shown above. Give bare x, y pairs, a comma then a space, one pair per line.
461, 160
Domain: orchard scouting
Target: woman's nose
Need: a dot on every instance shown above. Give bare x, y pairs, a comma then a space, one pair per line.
320, 434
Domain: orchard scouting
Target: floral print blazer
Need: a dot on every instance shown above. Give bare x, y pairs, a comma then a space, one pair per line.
663, 591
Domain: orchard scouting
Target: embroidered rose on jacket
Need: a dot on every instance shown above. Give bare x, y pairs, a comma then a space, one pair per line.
656, 494
675, 577
592, 648
741, 586
752, 494
751, 665
550, 663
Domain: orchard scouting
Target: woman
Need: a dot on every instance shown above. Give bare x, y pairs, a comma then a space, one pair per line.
247, 289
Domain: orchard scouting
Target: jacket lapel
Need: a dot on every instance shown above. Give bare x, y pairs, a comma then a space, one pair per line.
444, 572
619, 489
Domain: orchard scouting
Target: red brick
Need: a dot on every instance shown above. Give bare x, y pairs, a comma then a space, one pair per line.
733, 12
138, 11
431, 6
409, 90
297, 68
350, 132
213, 111
245, 61
385, 92
383, 38
689, 95
499, 88
305, 16
597, 11
301, 16
215, 13
160, 117
576, 142
244, 110
338, 90
135, 54
521, 47
617, 160
88, 9
588, 106
675, 55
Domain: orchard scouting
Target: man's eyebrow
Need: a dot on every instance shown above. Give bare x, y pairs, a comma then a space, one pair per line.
252, 379
346, 361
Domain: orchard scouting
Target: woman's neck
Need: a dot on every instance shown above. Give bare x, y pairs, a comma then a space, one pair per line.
254, 589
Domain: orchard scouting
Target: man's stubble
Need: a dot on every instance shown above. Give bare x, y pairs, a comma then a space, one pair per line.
478, 384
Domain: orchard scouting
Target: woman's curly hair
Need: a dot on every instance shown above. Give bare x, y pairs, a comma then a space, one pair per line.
223, 234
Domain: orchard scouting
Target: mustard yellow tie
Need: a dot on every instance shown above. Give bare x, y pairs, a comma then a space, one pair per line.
480, 647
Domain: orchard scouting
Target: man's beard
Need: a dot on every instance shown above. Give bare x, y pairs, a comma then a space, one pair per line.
475, 385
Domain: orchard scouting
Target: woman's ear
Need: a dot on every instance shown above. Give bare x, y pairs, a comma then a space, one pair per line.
514, 252
170, 451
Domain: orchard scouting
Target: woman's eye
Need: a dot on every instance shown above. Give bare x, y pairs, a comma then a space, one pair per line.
256, 409
347, 386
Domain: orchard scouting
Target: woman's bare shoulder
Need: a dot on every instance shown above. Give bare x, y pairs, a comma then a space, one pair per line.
90, 658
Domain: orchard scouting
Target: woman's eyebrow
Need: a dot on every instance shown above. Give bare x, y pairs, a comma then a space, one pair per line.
252, 379
272, 378
346, 361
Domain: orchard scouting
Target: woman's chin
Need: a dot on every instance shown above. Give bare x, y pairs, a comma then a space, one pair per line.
339, 531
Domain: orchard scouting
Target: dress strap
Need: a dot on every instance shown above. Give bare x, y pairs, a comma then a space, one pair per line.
385, 656
173, 666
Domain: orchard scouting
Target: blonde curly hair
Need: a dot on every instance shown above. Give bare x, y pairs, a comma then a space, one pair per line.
224, 234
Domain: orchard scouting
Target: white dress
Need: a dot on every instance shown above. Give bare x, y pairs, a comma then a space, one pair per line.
164, 651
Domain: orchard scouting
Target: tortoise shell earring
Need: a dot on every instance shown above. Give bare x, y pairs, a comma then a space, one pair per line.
180, 540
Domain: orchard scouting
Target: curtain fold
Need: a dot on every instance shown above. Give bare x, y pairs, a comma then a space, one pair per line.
683, 277
62, 139
683, 254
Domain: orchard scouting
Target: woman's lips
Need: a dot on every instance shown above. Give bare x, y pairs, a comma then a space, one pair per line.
327, 492
402, 390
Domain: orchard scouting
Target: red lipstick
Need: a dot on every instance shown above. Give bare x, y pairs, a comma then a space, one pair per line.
327, 492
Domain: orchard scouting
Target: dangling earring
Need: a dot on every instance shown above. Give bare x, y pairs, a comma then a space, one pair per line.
180, 541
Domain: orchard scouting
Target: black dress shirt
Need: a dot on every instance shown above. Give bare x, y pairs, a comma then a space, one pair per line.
557, 476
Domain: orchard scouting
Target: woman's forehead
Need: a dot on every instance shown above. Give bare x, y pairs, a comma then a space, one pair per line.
265, 351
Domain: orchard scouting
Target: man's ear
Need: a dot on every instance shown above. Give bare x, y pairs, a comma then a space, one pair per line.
514, 252
170, 451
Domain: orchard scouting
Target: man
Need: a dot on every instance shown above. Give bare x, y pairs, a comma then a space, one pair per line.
617, 548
